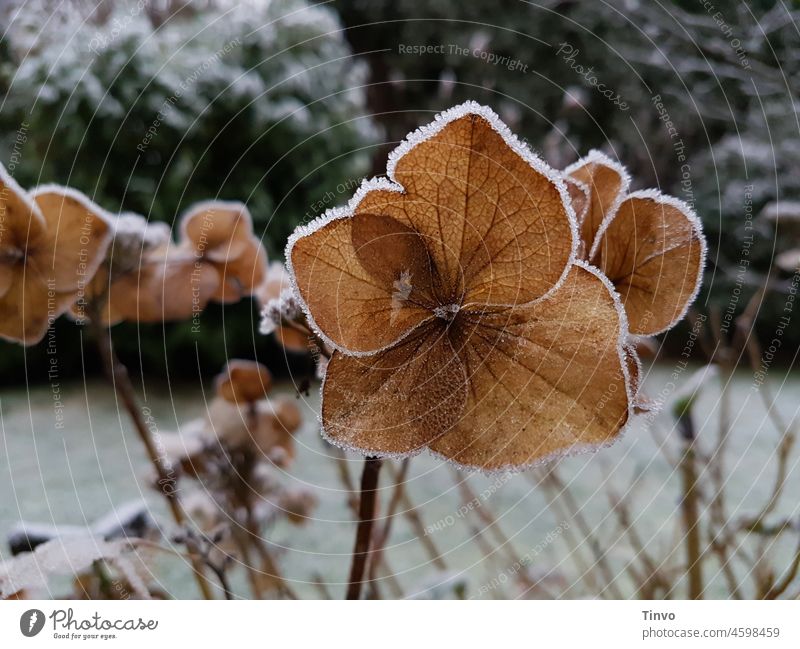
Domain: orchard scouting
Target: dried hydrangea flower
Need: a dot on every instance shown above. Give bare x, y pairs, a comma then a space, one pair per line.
144, 278
51, 244
217, 258
244, 382
168, 284
651, 246
277, 421
243, 417
459, 319
221, 234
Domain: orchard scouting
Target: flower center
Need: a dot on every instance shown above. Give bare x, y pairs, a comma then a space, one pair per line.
447, 311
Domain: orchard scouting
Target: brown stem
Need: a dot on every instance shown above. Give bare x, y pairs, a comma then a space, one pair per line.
786, 430
366, 516
352, 503
650, 580
690, 507
117, 373
780, 587
718, 539
269, 565
220, 573
250, 569
586, 572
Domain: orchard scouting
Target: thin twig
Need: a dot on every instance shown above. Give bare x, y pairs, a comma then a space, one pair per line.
651, 578
468, 497
690, 507
366, 516
352, 502
117, 374
576, 511
780, 587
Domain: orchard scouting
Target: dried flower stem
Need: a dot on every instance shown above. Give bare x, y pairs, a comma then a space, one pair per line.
690, 506
719, 541
650, 580
366, 516
780, 587
352, 503
220, 573
117, 373
788, 435
269, 565
584, 569
250, 569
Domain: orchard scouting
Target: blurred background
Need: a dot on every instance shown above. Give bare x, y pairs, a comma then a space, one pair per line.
287, 105
148, 106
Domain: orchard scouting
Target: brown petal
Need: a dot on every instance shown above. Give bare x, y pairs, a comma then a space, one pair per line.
165, 288
220, 230
634, 365
398, 400
545, 380
77, 237
353, 309
390, 251
91, 294
28, 307
21, 222
276, 420
653, 252
494, 221
244, 381
607, 182
641, 402
6, 277
243, 273
580, 196
292, 339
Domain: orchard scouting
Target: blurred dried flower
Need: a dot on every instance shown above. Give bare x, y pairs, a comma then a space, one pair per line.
278, 306
145, 279
51, 244
277, 420
221, 234
168, 285
243, 382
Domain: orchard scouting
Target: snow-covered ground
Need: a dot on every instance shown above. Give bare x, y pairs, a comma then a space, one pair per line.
76, 472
